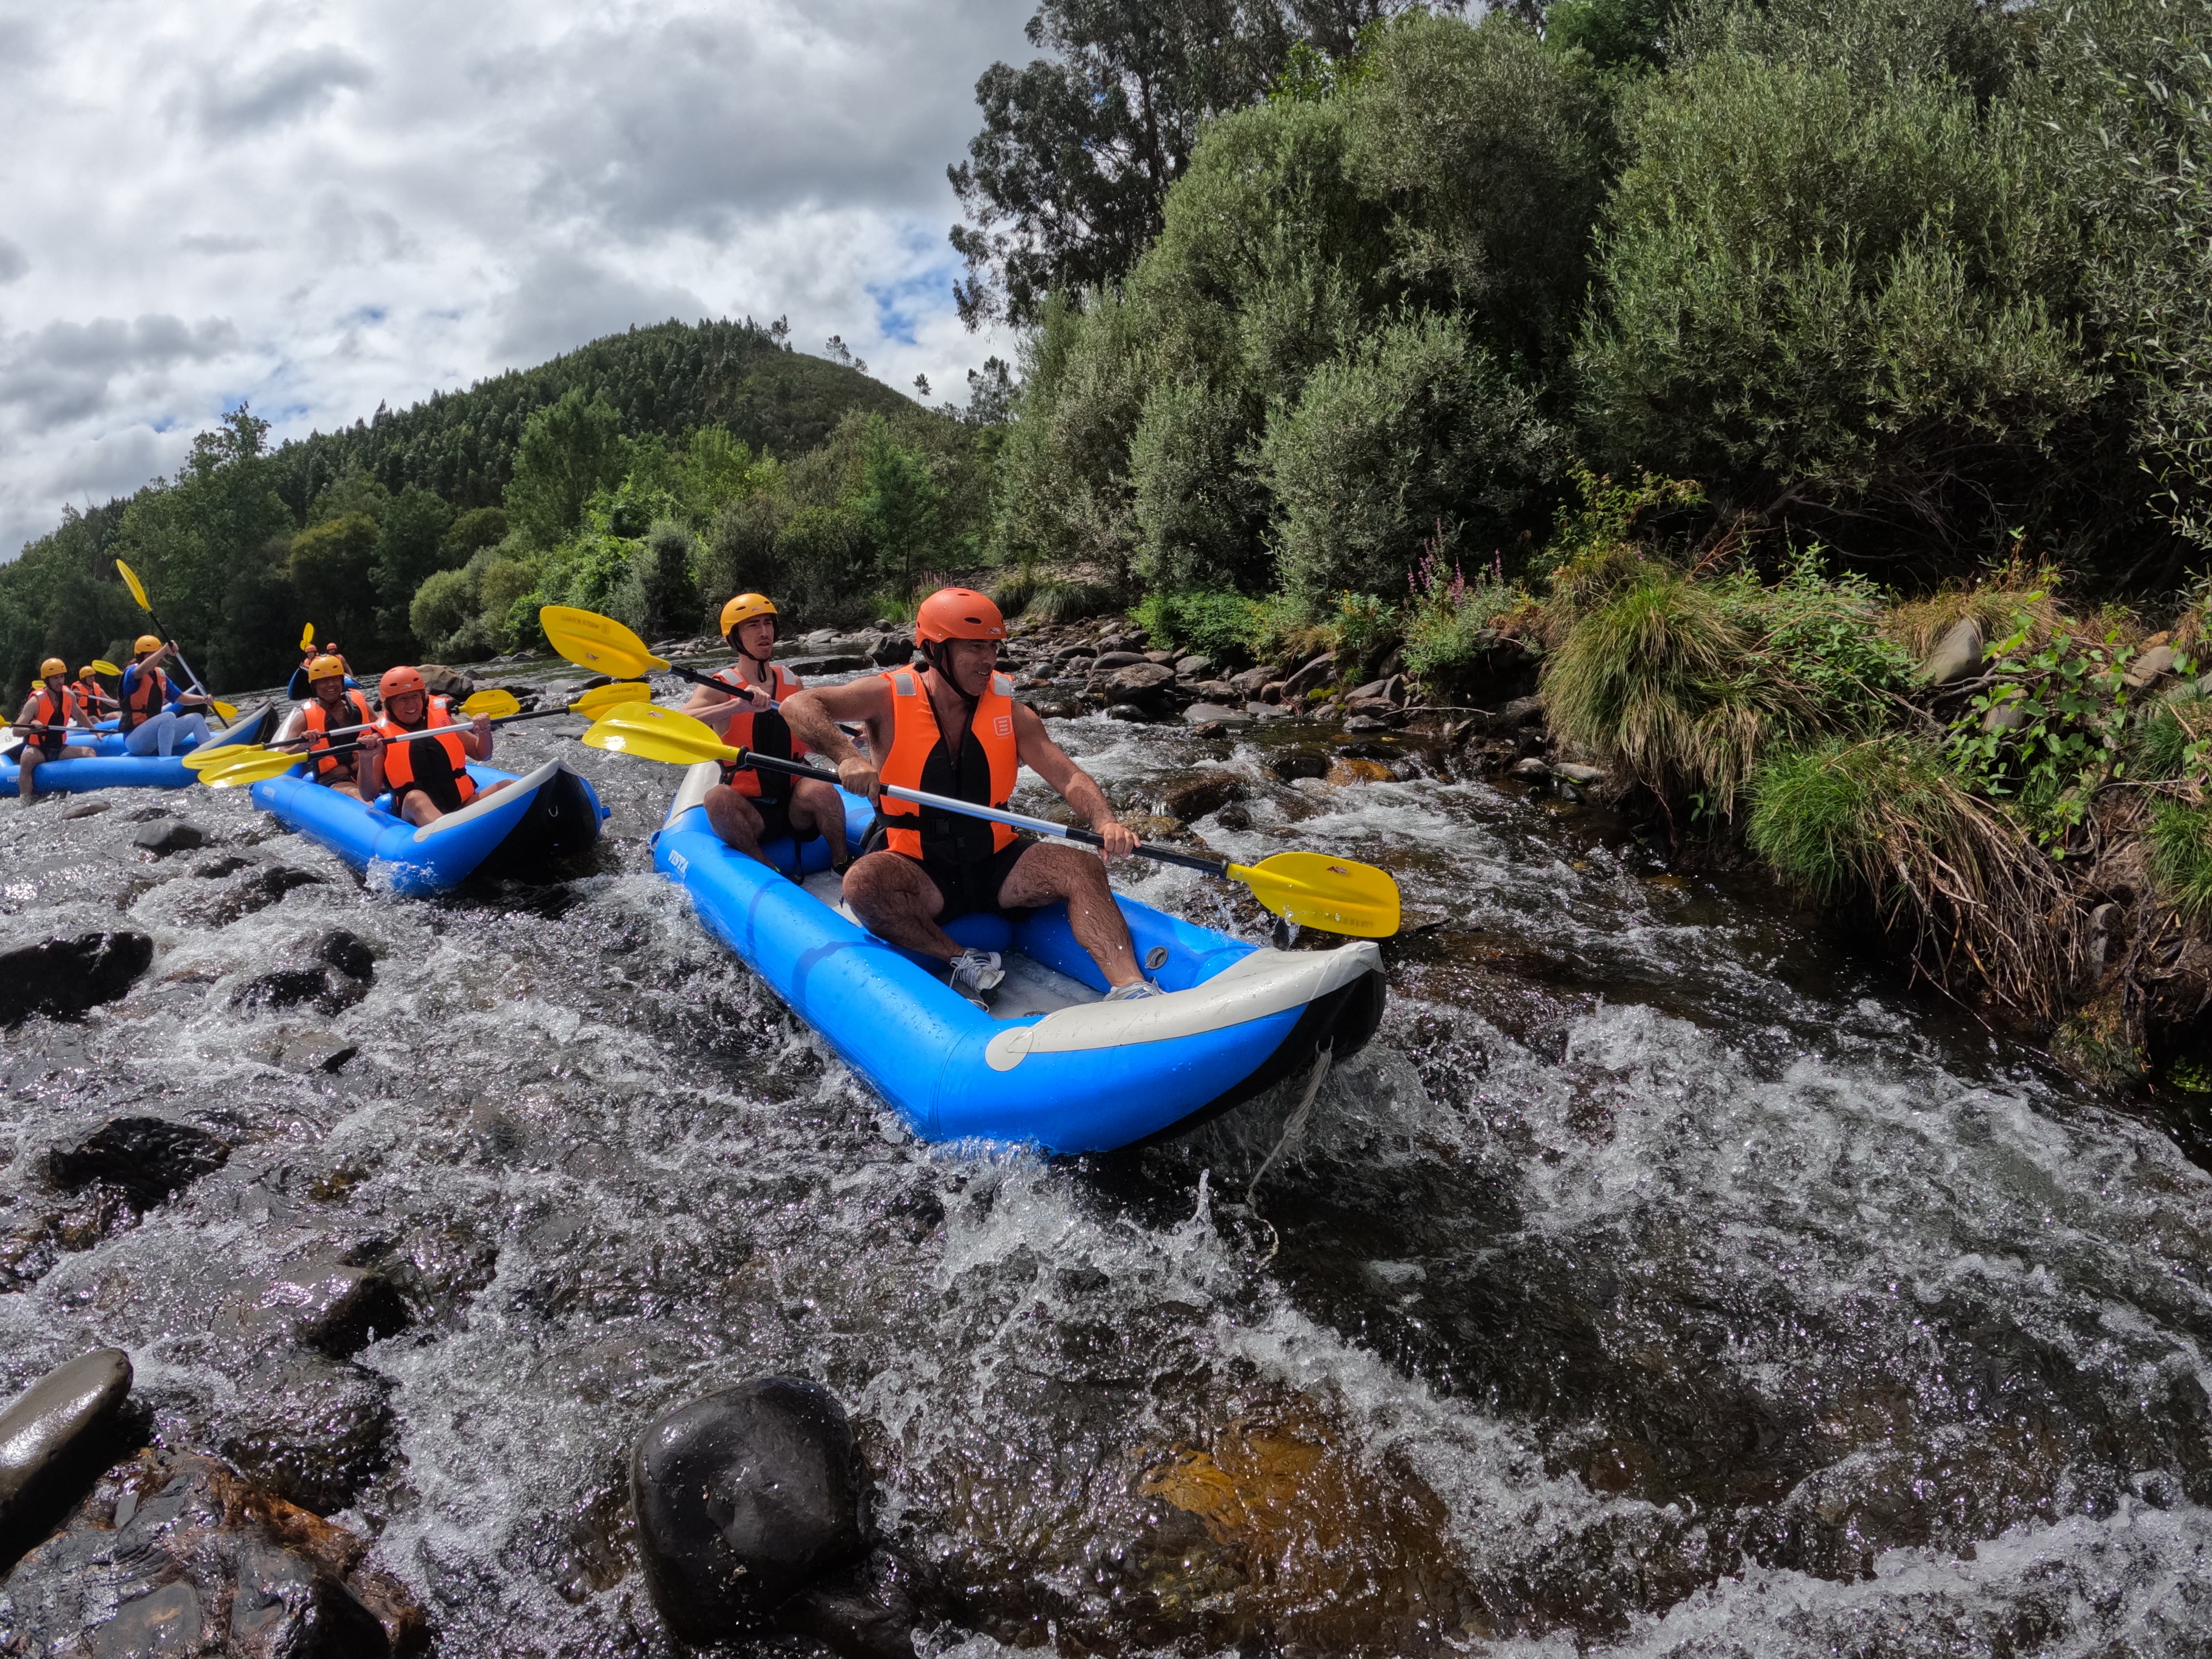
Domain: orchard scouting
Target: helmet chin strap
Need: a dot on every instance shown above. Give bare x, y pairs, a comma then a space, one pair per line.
737, 644
938, 654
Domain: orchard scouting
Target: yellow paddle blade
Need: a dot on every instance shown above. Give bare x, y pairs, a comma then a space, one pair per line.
307, 637
101, 665
249, 765
600, 698
591, 641
494, 702
137, 588
227, 710
661, 734
1316, 890
201, 760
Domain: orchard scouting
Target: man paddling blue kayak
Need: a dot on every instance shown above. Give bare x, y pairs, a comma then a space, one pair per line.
954, 730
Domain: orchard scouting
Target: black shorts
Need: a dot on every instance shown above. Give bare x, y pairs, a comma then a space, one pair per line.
775, 821
968, 889
445, 794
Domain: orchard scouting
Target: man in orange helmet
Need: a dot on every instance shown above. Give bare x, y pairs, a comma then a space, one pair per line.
955, 730
748, 808
52, 708
428, 777
331, 706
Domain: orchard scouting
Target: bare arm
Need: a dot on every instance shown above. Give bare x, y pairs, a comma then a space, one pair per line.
813, 717
1034, 745
715, 708
23, 721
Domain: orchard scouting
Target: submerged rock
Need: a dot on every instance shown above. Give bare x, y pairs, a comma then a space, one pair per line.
313, 1430
178, 1554
54, 1433
146, 1158
162, 839
67, 976
747, 1500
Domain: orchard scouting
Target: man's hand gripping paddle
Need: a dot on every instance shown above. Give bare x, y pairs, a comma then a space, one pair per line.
1311, 888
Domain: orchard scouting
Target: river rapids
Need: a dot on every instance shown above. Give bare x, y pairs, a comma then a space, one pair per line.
1663, 1280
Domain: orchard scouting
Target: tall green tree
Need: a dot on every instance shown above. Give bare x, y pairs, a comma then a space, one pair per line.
569, 450
412, 544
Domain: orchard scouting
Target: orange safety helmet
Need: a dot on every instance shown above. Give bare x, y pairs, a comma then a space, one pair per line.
398, 681
324, 668
957, 613
146, 642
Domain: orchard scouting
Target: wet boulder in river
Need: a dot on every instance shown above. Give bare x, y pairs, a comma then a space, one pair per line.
148, 1159
68, 975
162, 839
746, 1499
55, 1434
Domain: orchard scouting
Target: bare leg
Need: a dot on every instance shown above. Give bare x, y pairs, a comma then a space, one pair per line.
28, 758
736, 820
1047, 875
896, 901
419, 809
819, 807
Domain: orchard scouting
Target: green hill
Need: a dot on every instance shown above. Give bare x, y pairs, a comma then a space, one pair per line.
647, 472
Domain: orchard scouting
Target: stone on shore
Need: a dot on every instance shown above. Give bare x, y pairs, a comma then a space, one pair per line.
2154, 663
67, 976
743, 1499
1956, 655
1203, 713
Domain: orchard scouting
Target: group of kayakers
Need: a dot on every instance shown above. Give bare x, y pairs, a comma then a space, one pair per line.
948, 726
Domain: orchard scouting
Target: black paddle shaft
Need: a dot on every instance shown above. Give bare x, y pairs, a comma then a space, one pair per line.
457, 729
746, 758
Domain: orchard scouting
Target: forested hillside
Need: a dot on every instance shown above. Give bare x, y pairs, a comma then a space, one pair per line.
634, 475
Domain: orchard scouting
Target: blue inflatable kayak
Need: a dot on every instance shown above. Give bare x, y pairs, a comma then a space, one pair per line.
1050, 1064
111, 768
546, 819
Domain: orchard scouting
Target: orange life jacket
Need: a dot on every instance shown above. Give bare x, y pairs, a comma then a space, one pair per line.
762, 729
315, 717
48, 709
399, 757
144, 699
918, 760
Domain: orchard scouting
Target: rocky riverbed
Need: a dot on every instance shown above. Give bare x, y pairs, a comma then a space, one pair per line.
1662, 1280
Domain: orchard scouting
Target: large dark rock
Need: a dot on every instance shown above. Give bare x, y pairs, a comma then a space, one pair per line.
312, 1431
162, 839
1196, 798
55, 1438
180, 1555
146, 1158
743, 1499
68, 975
329, 1306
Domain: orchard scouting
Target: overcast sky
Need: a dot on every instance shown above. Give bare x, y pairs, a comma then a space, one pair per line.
316, 207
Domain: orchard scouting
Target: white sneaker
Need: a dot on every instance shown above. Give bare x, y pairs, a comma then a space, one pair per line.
974, 972
1135, 991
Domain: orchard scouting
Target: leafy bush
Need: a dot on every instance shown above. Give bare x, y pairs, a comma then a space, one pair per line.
1211, 623
1452, 622
1412, 428
2049, 729
1072, 601
1662, 682
2181, 855
443, 606
1594, 550
1825, 634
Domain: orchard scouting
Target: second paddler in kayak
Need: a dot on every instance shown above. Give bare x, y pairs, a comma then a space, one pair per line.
52, 707
955, 729
428, 777
749, 807
333, 705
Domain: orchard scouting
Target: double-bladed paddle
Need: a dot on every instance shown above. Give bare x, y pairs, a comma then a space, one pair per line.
1311, 888
232, 764
227, 711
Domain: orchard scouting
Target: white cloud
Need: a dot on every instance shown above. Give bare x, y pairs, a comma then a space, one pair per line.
319, 207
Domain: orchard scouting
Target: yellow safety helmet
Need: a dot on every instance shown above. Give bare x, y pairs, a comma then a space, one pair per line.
51, 666
146, 642
323, 668
743, 609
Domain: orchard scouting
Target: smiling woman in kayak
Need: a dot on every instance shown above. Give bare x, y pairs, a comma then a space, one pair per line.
955, 730
332, 706
746, 808
428, 777
44, 722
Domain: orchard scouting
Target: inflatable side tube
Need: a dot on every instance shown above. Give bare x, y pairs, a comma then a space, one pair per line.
550, 815
119, 771
1085, 1079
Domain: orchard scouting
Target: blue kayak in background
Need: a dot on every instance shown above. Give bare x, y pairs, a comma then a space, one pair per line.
538, 822
112, 768
1050, 1063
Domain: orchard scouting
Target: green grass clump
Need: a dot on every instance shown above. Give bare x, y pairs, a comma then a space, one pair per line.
1213, 623
1068, 601
1823, 816
2160, 752
1659, 681
1013, 594
2181, 855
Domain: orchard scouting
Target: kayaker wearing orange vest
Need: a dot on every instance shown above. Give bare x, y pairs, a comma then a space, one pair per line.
331, 708
96, 698
428, 776
747, 808
52, 703
156, 718
955, 729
